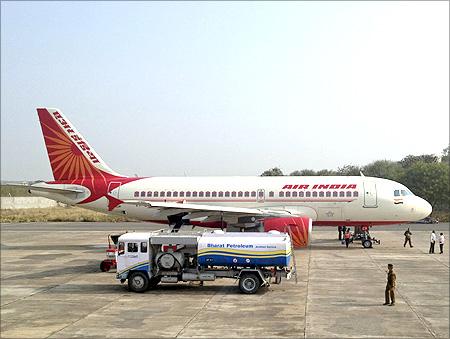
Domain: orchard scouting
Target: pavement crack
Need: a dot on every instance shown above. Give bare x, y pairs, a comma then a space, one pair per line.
197, 313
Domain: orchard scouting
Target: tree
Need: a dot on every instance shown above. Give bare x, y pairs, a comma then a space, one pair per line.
444, 157
384, 169
303, 173
349, 170
411, 159
326, 172
429, 181
273, 172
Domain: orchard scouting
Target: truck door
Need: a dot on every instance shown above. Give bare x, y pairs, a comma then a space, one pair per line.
370, 194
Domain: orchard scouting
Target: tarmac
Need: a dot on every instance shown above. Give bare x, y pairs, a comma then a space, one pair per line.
52, 287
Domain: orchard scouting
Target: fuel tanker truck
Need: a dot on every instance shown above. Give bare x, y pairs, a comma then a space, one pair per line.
255, 259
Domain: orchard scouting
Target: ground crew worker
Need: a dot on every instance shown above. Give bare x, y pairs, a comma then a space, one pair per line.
432, 242
390, 286
441, 242
340, 232
347, 237
408, 238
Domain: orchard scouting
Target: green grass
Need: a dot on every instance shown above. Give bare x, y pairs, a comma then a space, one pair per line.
61, 214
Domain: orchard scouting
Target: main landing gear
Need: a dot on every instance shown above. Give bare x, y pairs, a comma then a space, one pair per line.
362, 234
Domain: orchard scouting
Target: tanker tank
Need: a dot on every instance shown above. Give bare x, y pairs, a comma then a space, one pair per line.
244, 249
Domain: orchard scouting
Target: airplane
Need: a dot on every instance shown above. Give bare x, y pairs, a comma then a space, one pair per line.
243, 203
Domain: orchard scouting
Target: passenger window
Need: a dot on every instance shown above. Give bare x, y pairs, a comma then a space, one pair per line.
240, 194
288, 194
349, 193
308, 194
301, 194
200, 194
396, 193
214, 194
227, 194
175, 194
169, 194
233, 194
162, 194
182, 194
136, 194
253, 194
335, 194
220, 194
355, 193
294, 194
194, 194
132, 247
281, 194
207, 194
143, 247
342, 194
247, 194
149, 194
328, 194
321, 194
142, 194
121, 248
155, 194
271, 194
314, 194
188, 194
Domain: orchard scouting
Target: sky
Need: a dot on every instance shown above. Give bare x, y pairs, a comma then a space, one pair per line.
225, 88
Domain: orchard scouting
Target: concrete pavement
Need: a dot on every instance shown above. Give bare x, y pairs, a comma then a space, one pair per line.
51, 287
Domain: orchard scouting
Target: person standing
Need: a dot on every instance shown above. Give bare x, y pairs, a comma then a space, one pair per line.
441, 242
390, 286
340, 232
347, 237
432, 242
407, 238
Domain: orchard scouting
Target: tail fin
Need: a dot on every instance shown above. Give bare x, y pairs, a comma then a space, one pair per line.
71, 157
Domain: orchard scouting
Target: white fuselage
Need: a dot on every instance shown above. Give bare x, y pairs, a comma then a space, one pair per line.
327, 200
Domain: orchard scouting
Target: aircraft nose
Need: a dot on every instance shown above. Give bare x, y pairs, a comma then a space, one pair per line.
424, 209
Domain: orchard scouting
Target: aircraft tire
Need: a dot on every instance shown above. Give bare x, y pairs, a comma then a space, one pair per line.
138, 282
105, 266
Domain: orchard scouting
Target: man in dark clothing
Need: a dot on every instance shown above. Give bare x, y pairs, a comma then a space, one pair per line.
390, 286
407, 238
340, 232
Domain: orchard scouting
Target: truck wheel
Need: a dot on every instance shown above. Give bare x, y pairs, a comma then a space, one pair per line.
105, 266
138, 282
367, 243
153, 282
249, 283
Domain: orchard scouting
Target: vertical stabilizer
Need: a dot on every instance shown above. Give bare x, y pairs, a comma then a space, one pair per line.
70, 155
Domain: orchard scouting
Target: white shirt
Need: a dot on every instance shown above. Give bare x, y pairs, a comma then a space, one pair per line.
441, 239
433, 237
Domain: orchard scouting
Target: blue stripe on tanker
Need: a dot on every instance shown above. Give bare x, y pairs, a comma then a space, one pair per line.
230, 260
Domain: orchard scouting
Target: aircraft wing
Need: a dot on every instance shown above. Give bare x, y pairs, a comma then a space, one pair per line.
207, 210
47, 189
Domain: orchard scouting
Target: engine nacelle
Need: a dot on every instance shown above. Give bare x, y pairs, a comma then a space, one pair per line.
300, 228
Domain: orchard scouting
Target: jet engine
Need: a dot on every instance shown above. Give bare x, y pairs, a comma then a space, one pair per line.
300, 228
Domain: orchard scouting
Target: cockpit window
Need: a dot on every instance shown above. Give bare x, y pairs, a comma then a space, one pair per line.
406, 192
396, 193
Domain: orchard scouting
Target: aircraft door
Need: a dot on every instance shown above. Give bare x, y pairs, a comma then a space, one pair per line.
260, 195
114, 189
370, 194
